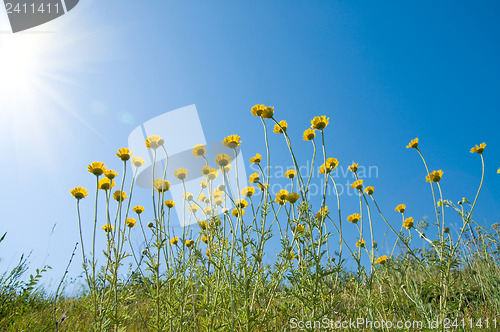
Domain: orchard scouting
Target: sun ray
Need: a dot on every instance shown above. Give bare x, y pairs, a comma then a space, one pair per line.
38, 77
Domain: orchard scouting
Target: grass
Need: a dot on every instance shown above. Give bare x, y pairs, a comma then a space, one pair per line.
217, 279
402, 291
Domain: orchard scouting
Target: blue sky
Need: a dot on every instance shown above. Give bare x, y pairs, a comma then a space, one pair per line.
385, 72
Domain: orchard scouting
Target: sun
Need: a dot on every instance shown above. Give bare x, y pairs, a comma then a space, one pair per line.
28, 97
19, 61
40, 77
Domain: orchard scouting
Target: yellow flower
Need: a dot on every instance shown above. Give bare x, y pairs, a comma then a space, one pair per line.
292, 197
498, 171
137, 161
241, 203
281, 130
408, 223
204, 239
401, 208
138, 209
360, 243
381, 260
236, 212
174, 241
222, 159
434, 176
279, 201
331, 164
203, 184
300, 228
193, 208
119, 196
354, 218
308, 134
322, 212
213, 174
105, 184
369, 190
131, 222
254, 178
290, 173
199, 150
107, 228
226, 169
257, 110
353, 168
181, 173
358, 184
217, 193
169, 203
248, 191
188, 196
206, 169
232, 141
256, 160
154, 142
79, 192
203, 224
189, 243
201, 197
124, 154
282, 194
322, 169
413, 144
161, 185
110, 174
319, 122
291, 256
96, 168
478, 148
218, 201
208, 210
267, 112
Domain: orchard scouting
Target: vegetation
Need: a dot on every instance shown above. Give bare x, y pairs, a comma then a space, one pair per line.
217, 279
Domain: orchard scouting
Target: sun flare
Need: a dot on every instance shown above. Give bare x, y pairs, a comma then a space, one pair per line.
19, 56
39, 79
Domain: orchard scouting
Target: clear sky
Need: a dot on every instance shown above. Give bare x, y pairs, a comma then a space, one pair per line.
385, 72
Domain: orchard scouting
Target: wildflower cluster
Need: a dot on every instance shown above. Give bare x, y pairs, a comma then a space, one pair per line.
220, 258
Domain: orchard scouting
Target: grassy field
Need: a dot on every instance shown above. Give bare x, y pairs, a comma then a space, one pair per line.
400, 291
217, 280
